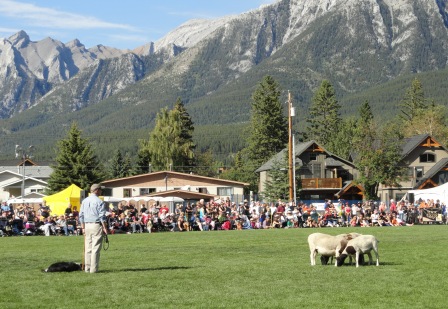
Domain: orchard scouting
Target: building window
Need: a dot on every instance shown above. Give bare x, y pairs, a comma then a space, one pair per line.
127, 192
146, 191
418, 171
313, 156
225, 191
317, 170
203, 190
427, 158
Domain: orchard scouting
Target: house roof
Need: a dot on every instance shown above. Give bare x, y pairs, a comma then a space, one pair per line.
27, 179
413, 142
298, 150
432, 172
35, 171
185, 194
167, 173
350, 186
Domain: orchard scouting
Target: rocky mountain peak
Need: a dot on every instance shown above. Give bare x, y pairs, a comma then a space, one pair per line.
20, 39
74, 43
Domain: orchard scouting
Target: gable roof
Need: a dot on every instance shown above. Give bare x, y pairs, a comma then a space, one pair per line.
432, 172
35, 171
27, 179
167, 173
413, 142
186, 195
299, 149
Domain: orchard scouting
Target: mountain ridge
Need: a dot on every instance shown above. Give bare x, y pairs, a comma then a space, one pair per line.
357, 45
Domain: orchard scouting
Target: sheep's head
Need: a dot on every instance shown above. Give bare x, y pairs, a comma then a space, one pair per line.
324, 259
341, 259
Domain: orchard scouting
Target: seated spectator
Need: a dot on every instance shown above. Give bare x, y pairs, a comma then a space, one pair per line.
4, 224
181, 223
310, 223
61, 225
135, 223
363, 221
17, 226
384, 220
354, 221
267, 223
48, 227
245, 223
374, 218
72, 225
276, 222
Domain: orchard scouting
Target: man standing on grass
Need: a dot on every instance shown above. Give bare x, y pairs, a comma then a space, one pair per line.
92, 217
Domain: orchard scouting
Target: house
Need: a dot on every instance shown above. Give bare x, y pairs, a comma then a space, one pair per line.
321, 173
27, 175
426, 161
169, 183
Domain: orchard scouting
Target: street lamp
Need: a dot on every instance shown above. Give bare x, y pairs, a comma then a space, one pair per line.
24, 154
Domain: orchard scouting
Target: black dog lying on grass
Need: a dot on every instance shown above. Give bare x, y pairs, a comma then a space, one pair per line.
63, 267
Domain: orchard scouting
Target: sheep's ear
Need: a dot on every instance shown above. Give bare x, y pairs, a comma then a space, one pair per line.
350, 250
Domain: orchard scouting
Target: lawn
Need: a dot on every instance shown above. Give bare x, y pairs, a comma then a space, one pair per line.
226, 269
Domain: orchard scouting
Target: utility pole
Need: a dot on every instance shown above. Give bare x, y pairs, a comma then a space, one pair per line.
24, 155
290, 147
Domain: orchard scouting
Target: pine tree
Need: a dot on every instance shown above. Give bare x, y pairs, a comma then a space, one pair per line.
120, 166
277, 185
268, 134
76, 163
413, 101
206, 164
268, 126
324, 118
186, 136
143, 164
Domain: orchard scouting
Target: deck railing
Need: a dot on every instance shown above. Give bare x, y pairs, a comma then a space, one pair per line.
321, 183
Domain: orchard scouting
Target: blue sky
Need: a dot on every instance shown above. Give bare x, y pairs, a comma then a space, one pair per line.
115, 23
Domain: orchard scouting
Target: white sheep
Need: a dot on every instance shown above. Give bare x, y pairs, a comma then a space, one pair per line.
328, 245
358, 246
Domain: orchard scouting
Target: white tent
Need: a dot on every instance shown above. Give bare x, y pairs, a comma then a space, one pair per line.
437, 193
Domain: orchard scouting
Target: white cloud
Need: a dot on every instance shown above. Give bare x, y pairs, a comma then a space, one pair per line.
47, 17
8, 30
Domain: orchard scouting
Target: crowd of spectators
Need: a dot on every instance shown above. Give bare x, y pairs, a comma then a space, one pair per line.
226, 215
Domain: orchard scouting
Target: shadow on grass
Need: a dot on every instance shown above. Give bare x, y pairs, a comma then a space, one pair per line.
374, 265
144, 269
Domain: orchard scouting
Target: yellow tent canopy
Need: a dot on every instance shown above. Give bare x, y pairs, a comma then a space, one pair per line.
58, 202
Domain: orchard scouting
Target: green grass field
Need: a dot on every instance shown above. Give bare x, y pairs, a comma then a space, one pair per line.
226, 269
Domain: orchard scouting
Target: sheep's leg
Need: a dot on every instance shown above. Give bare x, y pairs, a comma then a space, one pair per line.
313, 257
370, 258
357, 259
377, 257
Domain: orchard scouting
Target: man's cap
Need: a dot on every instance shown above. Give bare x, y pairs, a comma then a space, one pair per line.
96, 186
